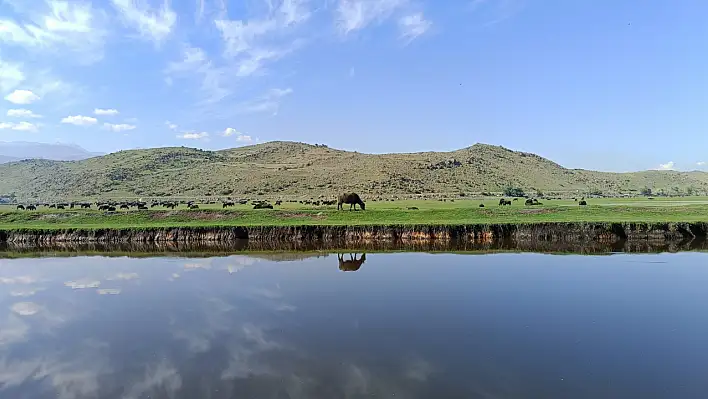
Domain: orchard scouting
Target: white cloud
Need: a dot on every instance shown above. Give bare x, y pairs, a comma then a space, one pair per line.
193, 136
354, 15
121, 127
666, 166
22, 113
20, 126
80, 120
171, 125
11, 75
413, 25
239, 136
155, 25
269, 102
22, 97
701, 163
99, 111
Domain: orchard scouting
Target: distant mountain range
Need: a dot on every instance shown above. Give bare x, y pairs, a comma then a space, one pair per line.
19, 150
288, 169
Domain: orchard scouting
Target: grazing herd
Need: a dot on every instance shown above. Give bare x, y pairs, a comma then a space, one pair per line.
351, 199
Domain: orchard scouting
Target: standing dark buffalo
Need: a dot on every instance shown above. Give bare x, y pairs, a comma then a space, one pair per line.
31, 208
351, 265
352, 199
21, 207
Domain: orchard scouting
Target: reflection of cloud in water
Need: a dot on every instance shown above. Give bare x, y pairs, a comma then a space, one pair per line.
108, 291
125, 276
268, 293
82, 284
17, 280
75, 378
162, 377
206, 265
418, 369
25, 293
13, 330
25, 308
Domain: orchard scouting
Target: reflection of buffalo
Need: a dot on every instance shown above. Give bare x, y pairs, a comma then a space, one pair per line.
352, 199
351, 265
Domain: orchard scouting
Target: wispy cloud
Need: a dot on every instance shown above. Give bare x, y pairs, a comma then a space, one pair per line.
666, 166
269, 102
412, 26
20, 126
22, 113
213, 81
55, 26
120, 127
701, 163
251, 44
22, 97
492, 12
353, 15
106, 112
152, 24
80, 120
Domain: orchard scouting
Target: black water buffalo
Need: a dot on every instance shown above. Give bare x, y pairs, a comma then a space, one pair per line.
31, 208
21, 207
351, 265
352, 199
262, 205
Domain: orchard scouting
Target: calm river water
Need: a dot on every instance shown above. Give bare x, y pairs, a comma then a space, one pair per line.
406, 325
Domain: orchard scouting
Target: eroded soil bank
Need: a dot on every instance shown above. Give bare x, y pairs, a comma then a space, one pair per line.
479, 233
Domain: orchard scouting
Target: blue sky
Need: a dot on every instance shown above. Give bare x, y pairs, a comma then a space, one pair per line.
601, 84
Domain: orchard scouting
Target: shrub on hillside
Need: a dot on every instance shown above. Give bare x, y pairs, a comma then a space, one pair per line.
514, 192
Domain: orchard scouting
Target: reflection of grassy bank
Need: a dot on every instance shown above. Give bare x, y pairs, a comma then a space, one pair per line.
301, 250
429, 213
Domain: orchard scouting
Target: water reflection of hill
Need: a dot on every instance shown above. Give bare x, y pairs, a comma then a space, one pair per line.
290, 251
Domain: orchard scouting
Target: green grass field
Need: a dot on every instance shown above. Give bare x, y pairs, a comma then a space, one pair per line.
683, 209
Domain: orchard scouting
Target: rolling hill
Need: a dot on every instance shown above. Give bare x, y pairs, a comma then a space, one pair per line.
292, 170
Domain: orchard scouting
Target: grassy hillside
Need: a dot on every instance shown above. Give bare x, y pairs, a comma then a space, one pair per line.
297, 170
